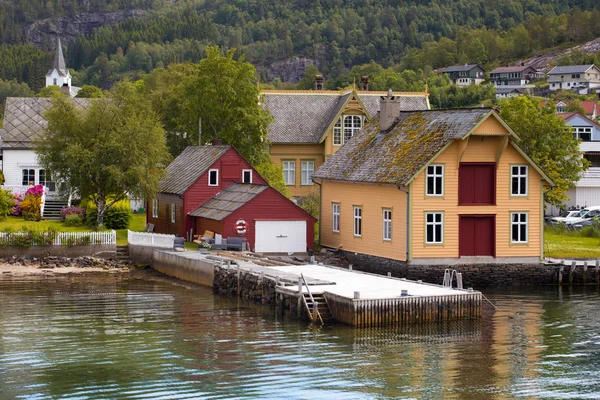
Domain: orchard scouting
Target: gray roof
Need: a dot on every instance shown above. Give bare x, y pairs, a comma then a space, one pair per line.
59, 61
304, 116
512, 69
570, 69
395, 156
24, 120
228, 200
459, 68
188, 167
502, 90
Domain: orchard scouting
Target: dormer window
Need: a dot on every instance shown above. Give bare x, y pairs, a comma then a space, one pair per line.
246, 176
352, 124
213, 177
337, 133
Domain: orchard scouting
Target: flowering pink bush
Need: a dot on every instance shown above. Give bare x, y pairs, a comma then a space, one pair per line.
71, 210
18, 198
37, 190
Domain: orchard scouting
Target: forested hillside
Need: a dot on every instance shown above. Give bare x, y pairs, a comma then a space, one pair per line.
334, 34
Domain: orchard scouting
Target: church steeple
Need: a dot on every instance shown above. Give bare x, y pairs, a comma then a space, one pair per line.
59, 59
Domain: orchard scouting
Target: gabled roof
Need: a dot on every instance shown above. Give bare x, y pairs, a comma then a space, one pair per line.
59, 61
228, 200
24, 120
396, 157
188, 166
568, 116
502, 90
570, 69
303, 116
519, 68
460, 68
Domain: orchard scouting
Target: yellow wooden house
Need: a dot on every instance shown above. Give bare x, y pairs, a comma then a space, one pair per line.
311, 125
437, 186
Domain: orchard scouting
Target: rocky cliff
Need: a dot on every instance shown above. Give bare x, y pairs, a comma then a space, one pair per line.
545, 62
69, 27
291, 69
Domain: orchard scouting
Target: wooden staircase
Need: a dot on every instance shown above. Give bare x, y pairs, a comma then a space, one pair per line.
123, 254
52, 209
322, 314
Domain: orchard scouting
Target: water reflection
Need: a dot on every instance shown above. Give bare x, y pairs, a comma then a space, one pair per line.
152, 339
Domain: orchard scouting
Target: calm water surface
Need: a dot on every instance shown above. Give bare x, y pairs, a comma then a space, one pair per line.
150, 338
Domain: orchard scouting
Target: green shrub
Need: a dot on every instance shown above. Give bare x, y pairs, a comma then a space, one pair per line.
74, 220
116, 217
7, 203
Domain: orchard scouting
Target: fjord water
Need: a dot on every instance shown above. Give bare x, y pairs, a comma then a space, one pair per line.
151, 338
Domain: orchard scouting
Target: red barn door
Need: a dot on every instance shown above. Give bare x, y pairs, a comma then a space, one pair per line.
477, 235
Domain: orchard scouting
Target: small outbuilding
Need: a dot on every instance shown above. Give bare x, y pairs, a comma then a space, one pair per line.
269, 221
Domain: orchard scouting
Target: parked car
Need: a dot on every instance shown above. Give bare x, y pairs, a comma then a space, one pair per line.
563, 215
582, 224
586, 214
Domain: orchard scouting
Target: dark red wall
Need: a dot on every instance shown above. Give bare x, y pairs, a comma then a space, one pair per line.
269, 205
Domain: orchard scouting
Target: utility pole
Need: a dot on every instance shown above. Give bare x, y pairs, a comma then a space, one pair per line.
199, 131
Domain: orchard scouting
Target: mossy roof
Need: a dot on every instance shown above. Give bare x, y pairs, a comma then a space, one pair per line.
396, 155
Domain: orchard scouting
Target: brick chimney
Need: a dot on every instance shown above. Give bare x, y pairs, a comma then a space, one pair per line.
65, 89
389, 110
319, 82
364, 83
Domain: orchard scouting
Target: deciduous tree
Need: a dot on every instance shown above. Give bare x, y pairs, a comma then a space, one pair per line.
111, 149
547, 140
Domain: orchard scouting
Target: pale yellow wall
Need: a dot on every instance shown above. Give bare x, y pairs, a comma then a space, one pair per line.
479, 149
491, 126
373, 199
298, 153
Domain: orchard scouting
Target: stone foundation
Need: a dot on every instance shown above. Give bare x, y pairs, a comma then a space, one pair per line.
476, 275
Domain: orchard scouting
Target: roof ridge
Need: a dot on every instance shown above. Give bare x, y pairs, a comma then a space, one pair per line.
451, 109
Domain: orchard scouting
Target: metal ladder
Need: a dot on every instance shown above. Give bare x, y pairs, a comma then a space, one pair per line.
449, 277
312, 305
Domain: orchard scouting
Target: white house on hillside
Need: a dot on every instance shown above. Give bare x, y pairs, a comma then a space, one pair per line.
581, 78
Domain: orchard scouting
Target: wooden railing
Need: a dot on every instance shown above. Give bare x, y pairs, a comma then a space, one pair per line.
150, 239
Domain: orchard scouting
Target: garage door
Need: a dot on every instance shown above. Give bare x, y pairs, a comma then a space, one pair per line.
280, 237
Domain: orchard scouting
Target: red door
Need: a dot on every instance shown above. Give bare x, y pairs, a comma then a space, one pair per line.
477, 184
477, 235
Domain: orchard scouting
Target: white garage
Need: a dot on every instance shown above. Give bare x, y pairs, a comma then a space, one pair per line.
280, 237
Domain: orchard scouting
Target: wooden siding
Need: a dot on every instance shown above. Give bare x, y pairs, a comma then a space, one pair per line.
203, 224
298, 153
163, 223
491, 126
479, 149
373, 199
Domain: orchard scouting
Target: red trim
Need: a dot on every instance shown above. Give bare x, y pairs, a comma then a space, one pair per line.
278, 219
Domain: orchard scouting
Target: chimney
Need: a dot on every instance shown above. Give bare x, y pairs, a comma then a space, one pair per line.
319, 82
389, 111
364, 83
65, 89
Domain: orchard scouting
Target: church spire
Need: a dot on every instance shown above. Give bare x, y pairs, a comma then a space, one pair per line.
59, 59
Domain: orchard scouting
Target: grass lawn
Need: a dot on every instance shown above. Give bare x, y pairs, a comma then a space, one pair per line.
560, 245
137, 223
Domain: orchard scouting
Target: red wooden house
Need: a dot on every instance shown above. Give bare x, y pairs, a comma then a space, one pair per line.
212, 187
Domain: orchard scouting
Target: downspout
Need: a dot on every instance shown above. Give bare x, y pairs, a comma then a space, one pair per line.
408, 225
542, 215
320, 208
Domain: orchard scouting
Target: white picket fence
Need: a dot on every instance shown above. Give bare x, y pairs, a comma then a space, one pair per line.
150, 239
70, 238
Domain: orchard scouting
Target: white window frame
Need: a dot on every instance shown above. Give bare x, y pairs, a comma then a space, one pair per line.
387, 224
289, 172
216, 172
433, 224
337, 133
307, 173
173, 213
358, 221
154, 208
432, 172
519, 176
354, 125
244, 171
519, 223
335, 217
582, 129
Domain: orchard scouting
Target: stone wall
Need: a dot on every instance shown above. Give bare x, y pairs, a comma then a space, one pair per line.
250, 286
476, 275
106, 251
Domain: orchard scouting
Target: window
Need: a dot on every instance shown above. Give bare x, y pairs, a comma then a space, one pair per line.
55, 81
289, 172
173, 213
352, 124
28, 177
154, 208
434, 223
308, 168
435, 180
477, 184
583, 133
387, 224
518, 227
213, 177
45, 179
335, 211
357, 221
518, 178
246, 176
337, 133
